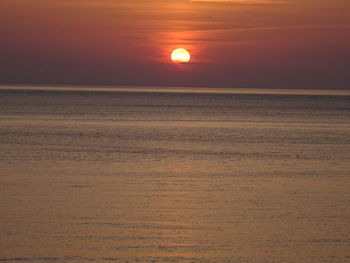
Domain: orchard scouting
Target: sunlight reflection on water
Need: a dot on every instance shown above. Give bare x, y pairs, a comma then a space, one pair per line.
158, 177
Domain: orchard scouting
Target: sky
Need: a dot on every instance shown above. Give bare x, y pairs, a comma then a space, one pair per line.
233, 43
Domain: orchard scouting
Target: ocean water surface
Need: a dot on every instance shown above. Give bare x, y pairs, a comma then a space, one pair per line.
92, 175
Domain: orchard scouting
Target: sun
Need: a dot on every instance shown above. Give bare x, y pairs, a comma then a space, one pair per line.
180, 55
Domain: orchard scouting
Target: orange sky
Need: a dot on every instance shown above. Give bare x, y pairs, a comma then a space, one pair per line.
252, 43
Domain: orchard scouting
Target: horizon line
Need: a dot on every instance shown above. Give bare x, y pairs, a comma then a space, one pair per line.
174, 89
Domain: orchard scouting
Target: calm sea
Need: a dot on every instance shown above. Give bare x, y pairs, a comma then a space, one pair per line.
153, 176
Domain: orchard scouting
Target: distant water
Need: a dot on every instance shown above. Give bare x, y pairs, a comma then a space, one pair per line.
117, 176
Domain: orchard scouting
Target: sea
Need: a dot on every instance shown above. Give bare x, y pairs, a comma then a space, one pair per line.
164, 175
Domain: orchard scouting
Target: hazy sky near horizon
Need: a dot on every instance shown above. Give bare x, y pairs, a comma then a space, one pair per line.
233, 43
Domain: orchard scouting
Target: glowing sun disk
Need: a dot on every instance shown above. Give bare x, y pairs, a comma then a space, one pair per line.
180, 55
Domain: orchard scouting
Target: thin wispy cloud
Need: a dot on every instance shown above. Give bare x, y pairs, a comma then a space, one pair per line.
243, 1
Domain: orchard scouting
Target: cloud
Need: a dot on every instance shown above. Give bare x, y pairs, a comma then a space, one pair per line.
243, 1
